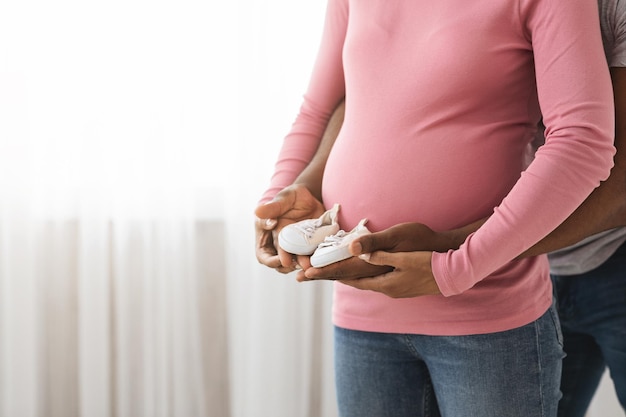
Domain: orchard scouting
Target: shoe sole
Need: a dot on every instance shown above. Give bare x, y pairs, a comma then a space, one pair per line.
322, 260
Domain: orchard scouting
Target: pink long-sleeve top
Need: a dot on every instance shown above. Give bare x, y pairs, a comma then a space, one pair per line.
442, 98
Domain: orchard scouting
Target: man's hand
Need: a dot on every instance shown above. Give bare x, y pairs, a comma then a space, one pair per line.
291, 205
409, 237
404, 237
266, 252
394, 262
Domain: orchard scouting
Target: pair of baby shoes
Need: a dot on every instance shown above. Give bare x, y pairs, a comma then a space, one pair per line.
321, 238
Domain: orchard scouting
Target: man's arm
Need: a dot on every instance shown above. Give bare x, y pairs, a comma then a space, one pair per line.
605, 208
311, 176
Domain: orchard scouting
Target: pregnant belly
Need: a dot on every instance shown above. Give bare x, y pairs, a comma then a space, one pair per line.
443, 190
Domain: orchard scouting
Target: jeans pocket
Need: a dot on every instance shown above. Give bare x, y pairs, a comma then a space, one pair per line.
557, 324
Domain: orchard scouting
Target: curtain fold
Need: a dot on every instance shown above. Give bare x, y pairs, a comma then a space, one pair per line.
151, 317
122, 317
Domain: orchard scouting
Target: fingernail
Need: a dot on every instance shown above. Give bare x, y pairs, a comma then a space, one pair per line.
357, 247
365, 256
270, 222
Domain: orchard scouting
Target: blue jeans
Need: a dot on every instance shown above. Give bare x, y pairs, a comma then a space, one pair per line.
515, 373
592, 310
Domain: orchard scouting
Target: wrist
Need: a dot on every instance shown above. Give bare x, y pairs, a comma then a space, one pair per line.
451, 239
454, 238
314, 188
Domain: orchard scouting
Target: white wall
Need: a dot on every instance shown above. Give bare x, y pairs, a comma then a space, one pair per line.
605, 403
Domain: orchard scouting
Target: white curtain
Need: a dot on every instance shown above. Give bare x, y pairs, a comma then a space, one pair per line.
135, 139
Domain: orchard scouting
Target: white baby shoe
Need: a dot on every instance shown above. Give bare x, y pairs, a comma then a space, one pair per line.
302, 238
335, 248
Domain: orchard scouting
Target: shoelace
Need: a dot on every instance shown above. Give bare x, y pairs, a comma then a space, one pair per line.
333, 240
308, 228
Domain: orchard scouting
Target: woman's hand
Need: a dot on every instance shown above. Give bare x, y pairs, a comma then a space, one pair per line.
411, 276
